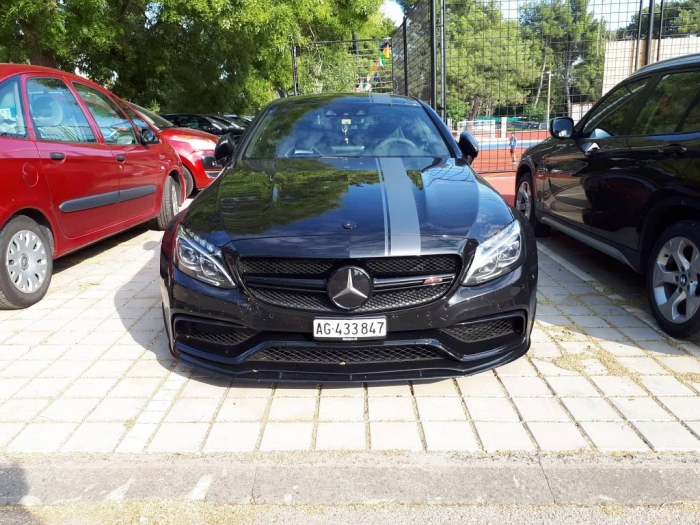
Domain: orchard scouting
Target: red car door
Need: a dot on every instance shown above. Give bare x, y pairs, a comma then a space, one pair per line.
81, 172
141, 173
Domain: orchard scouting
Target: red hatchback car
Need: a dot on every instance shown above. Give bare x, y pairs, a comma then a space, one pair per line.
75, 169
195, 148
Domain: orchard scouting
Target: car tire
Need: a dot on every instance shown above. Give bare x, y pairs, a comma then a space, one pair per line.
189, 181
170, 203
525, 203
27, 263
673, 279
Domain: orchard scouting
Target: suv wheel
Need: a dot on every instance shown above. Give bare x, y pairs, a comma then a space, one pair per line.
27, 266
672, 279
525, 203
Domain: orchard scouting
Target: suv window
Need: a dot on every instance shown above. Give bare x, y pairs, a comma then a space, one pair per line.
11, 113
607, 119
673, 106
55, 112
113, 124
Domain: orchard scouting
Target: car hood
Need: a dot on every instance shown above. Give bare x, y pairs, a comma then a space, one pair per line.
357, 205
185, 134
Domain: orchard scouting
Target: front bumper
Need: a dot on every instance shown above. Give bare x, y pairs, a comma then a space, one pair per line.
228, 333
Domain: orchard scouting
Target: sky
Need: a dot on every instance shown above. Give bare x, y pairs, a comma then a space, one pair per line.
392, 11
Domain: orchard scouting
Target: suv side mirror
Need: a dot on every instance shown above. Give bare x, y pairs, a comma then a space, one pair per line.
468, 146
225, 147
148, 136
562, 128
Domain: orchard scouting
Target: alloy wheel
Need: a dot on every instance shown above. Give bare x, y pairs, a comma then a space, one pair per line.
26, 261
523, 199
675, 280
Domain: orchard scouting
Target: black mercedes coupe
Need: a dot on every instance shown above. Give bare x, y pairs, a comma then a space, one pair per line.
348, 239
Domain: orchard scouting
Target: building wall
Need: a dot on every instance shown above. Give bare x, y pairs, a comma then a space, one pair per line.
619, 56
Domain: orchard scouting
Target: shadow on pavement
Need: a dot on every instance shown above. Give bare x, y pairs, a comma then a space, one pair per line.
624, 288
137, 301
94, 250
14, 496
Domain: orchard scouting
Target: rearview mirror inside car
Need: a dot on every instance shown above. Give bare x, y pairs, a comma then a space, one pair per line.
562, 128
468, 145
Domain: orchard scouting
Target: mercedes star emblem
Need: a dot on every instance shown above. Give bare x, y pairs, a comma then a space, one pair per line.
349, 287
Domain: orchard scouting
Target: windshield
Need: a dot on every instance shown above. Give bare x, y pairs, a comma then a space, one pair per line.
346, 128
156, 120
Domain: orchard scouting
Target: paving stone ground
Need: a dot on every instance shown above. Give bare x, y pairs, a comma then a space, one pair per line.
88, 370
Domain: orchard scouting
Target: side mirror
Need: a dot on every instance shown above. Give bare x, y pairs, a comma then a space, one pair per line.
148, 136
225, 147
562, 128
468, 146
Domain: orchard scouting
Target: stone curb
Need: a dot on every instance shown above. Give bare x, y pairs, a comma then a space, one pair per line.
331, 479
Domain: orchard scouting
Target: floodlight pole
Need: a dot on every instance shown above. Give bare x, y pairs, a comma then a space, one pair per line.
549, 95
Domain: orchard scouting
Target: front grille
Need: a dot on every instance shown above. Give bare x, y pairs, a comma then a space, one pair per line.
295, 267
313, 297
349, 356
483, 330
406, 266
376, 266
380, 301
212, 333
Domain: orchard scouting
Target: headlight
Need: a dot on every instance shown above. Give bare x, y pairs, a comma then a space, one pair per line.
497, 256
196, 143
201, 260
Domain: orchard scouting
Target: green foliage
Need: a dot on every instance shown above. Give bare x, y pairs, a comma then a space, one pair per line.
536, 113
456, 109
494, 65
570, 42
180, 55
680, 18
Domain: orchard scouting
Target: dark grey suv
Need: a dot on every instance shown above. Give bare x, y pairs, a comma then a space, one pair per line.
626, 181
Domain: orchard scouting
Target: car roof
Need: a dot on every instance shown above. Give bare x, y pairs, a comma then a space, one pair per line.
670, 63
7, 70
381, 98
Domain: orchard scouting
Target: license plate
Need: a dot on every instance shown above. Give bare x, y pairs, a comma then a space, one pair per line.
350, 329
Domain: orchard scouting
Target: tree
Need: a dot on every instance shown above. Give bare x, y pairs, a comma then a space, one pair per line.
571, 42
680, 18
178, 55
488, 62
340, 66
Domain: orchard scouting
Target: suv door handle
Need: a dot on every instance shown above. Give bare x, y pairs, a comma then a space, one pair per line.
673, 149
121, 158
57, 155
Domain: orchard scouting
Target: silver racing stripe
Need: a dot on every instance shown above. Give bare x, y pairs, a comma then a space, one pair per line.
401, 209
385, 206
380, 98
